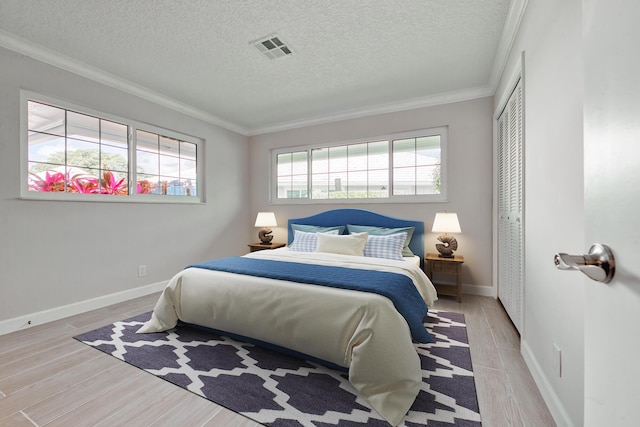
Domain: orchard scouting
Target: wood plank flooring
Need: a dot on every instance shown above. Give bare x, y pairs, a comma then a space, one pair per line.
49, 379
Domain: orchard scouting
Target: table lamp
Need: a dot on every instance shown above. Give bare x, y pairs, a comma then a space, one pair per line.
446, 223
265, 220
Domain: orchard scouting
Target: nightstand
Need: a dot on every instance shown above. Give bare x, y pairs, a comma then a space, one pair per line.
261, 247
446, 267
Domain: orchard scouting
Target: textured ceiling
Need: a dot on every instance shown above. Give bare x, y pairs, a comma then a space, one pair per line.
350, 56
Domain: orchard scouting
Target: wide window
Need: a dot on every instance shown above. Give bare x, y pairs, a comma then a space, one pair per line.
75, 154
407, 167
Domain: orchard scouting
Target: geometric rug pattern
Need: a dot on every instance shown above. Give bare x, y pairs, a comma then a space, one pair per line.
283, 391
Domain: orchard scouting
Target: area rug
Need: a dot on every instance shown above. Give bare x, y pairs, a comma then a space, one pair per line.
278, 390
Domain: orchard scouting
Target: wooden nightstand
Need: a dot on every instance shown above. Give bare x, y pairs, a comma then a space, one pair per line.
449, 267
261, 247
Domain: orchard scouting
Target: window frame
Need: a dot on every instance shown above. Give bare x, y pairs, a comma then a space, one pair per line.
442, 131
133, 126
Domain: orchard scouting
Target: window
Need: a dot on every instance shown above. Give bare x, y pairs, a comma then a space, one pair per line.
417, 166
165, 165
292, 175
407, 167
84, 155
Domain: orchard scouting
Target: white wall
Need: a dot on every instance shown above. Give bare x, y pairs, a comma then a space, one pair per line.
57, 253
470, 175
550, 36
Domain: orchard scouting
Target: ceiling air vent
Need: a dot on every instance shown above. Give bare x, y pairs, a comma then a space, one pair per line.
272, 47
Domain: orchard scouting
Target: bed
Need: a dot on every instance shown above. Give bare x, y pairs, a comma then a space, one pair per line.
258, 297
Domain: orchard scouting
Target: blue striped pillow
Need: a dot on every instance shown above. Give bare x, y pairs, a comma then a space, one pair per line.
384, 231
306, 242
389, 246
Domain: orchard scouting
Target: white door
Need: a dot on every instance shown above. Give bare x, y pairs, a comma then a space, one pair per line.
611, 43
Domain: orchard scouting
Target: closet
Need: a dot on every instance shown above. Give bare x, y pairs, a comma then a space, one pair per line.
510, 257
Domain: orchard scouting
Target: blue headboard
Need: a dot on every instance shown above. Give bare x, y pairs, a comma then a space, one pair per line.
364, 217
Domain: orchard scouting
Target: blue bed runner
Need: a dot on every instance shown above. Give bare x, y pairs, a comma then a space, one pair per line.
396, 287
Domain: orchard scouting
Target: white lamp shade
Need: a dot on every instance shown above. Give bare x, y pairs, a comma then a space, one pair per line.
266, 219
446, 223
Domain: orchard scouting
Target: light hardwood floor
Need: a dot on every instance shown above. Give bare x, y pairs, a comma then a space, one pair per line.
48, 378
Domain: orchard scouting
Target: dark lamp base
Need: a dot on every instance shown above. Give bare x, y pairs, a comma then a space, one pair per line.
445, 256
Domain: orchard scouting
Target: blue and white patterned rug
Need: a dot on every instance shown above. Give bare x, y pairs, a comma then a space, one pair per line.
277, 390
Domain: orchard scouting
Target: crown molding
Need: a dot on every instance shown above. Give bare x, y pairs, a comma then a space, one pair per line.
508, 37
58, 60
51, 57
392, 107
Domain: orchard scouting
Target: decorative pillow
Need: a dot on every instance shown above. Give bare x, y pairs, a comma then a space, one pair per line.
389, 247
351, 244
383, 231
317, 228
306, 242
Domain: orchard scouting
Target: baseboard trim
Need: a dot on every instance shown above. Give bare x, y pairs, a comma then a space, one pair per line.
484, 291
559, 414
57, 313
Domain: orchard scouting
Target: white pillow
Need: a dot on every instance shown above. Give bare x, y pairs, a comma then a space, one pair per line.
306, 242
390, 246
350, 244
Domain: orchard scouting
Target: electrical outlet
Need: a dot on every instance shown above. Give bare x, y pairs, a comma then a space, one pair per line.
142, 270
557, 360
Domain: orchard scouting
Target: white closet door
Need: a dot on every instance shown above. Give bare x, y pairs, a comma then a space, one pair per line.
510, 195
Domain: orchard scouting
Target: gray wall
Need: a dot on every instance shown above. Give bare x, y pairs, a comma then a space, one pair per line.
57, 253
550, 36
470, 176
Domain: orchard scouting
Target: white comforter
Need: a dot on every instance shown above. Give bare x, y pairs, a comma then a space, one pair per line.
358, 330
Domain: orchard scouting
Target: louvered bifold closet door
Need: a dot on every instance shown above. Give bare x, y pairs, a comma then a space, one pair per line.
510, 196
